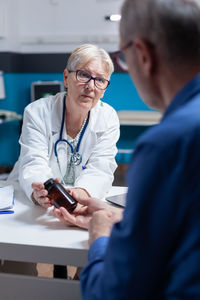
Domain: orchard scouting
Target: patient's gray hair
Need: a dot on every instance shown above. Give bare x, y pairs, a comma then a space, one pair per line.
172, 26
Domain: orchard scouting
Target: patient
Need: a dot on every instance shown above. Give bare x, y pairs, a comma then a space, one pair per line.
154, 251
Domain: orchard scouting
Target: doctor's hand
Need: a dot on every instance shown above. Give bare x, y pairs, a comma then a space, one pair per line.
78, 193
39, 195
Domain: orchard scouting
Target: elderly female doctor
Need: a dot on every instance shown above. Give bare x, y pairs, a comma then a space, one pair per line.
71, 136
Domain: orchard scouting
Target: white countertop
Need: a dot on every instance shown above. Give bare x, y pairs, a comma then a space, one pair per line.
32, 233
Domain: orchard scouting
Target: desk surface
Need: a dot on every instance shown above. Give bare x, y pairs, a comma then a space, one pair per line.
33, 234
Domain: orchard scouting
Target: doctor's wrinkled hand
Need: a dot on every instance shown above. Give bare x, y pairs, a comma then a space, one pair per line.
39, 195
78, 193
83, 213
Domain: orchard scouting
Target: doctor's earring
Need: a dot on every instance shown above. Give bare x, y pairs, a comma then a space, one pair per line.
66, 91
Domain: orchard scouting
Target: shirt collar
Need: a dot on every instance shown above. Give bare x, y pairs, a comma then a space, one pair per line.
184, 95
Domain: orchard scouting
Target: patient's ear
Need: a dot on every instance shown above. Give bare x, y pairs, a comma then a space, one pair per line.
145, 56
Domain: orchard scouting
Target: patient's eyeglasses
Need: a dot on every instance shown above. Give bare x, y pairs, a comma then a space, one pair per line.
120, 57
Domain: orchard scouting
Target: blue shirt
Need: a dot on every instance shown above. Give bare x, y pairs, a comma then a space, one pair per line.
154, 252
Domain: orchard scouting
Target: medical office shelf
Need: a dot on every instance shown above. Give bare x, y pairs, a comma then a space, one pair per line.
9, 150
132, 125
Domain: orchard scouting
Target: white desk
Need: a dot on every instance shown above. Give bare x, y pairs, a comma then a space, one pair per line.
33, 234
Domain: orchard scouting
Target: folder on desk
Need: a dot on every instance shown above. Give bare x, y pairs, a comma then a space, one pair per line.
6, 199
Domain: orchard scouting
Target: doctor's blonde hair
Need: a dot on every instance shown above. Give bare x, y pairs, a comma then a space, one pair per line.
87, 52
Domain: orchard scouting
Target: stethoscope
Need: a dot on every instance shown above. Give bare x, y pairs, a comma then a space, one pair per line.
76, 157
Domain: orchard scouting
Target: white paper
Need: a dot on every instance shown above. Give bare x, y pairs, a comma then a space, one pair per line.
6, 197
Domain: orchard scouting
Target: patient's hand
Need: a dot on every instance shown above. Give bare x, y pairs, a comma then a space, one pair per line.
102, 222
39, 195
82, 215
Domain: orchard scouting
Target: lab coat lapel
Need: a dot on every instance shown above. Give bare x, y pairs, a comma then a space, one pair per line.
62, 154
56, 119
56, 113
90, 136
87, 145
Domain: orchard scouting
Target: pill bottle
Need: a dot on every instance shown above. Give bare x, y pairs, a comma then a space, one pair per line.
59, 196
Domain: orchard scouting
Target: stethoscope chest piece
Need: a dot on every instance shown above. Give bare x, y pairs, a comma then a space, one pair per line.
76, 158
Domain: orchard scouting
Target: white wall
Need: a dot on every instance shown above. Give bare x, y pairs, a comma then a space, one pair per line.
57, 25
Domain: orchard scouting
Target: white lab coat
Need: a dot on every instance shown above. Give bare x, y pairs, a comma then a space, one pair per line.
40, 131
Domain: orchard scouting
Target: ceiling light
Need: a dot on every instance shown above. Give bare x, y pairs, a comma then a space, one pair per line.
113, 18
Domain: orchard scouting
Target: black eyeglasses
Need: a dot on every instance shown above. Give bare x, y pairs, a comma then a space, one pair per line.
120, 57
85, 77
